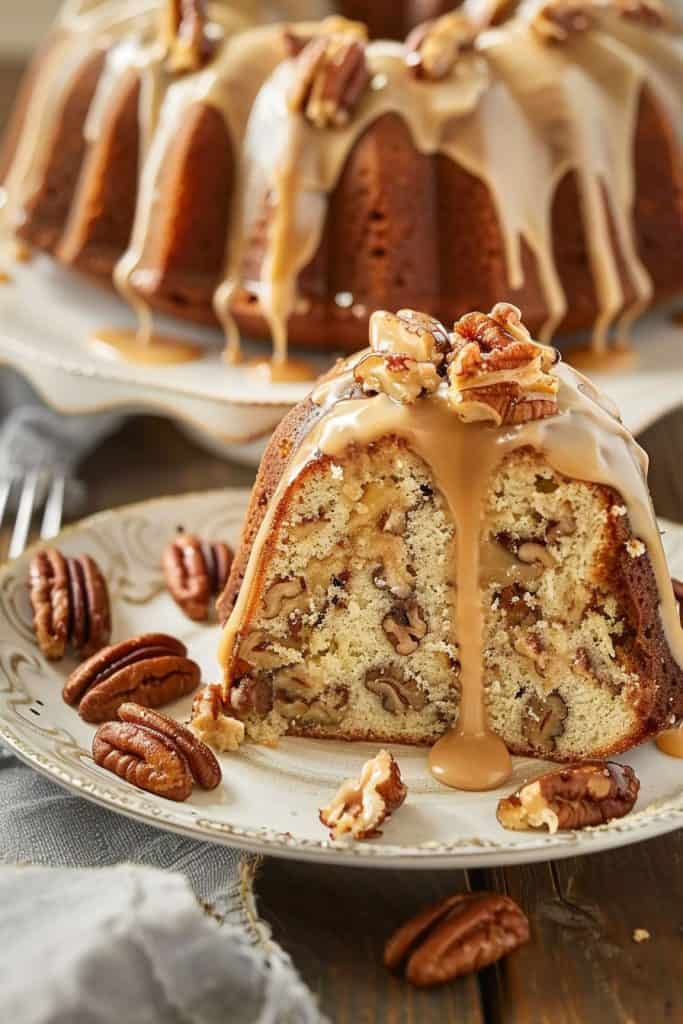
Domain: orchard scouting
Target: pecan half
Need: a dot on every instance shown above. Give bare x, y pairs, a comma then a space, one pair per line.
573, 797
70, 602
195, 571
456, 936
543, 720
498, 372
433, 48
330, 78
151, 670
183, 33
143, 757
210, 722
361, 805
405, 627
205, 769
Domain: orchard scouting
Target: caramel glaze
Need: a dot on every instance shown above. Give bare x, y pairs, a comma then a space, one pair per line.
584, 441
671, 742
153, 350
569, 106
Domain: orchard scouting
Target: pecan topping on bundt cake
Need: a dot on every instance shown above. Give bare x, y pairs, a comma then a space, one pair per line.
331, 77
497, 372
557, 20
433, 48
183, 31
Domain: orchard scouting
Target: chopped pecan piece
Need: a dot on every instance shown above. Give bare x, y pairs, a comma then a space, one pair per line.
408, 333
394, 693
143, 757
530, 552
571, 798
70, 602
184, 35
361, 805
195, 571
281, 594
331, 76
458, 935
151, 670
399, 377
433, 48
405, 626
498, 372
251, 696
211, 724
543, 720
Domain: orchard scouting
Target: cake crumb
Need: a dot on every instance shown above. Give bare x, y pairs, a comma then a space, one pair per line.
618, 510
640, 935
635, 547
336, 471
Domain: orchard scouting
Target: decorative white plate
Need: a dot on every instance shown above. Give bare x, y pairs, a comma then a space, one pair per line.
47, 313
269, 798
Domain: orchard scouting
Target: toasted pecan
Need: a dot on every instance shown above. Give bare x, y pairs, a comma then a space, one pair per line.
151, 669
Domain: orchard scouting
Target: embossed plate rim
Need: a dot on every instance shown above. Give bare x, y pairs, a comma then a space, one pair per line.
465, 851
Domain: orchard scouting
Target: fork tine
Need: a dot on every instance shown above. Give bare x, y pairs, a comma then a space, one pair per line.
24, 513
52, 516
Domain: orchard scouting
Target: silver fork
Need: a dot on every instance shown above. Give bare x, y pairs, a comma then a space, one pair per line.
53, 496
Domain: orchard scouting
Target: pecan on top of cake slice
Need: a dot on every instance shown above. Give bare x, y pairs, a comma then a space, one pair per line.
497, 372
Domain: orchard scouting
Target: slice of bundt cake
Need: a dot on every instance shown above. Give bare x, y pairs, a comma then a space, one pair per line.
454, 529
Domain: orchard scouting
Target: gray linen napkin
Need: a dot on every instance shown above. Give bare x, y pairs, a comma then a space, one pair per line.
119, 939
115, 937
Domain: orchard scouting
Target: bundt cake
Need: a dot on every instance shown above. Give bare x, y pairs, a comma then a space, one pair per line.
453, 530
290, 180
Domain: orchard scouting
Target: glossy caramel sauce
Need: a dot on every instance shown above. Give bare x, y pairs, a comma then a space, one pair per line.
671, 742
129, 346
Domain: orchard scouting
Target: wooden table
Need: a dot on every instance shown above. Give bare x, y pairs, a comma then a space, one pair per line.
582, 966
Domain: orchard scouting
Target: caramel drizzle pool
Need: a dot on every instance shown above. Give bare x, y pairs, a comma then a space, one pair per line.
584, 441
564, 107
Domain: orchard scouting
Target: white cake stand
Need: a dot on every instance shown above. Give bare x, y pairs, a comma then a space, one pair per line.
47, 315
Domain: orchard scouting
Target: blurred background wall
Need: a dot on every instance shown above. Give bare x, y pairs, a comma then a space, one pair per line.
23, 23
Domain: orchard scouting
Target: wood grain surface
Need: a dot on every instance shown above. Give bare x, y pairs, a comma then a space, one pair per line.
582, 965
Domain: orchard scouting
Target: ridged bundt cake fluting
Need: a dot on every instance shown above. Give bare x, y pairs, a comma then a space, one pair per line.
287, 180
454, 530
